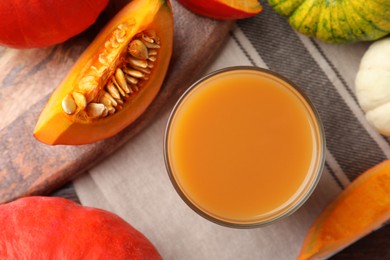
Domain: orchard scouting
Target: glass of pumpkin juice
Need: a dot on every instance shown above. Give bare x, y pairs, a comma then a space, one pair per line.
244, 147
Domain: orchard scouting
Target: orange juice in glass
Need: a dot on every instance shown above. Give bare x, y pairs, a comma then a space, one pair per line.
244, 147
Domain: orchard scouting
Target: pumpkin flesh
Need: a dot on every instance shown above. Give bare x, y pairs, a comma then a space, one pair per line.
361, 208
57, 127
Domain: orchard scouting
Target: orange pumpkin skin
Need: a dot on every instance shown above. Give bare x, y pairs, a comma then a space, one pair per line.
56, 127
57, 228
38, 23
219, 9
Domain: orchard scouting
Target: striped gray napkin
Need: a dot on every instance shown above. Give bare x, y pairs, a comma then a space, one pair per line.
326, 73
133, 183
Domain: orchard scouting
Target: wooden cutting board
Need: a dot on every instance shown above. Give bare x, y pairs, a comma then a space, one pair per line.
27, 78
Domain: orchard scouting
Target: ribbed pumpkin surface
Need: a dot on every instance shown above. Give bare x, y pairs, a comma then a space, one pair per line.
337, 21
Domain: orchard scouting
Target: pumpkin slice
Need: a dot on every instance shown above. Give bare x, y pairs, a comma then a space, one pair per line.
114, 80
361, 208
223, 9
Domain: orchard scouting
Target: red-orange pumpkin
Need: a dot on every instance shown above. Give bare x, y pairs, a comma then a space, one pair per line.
57, 228
223, 9
38, 23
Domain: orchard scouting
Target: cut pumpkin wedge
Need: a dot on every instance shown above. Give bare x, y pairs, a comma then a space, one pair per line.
223, 9
361, 208
114, 80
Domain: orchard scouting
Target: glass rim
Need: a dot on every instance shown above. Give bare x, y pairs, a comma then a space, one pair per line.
319, 137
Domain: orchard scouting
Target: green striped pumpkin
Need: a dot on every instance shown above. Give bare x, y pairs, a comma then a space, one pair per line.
337, 21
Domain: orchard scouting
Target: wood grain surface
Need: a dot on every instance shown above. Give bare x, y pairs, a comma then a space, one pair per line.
27, 78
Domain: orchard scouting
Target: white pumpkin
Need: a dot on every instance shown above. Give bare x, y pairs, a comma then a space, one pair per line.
372, 85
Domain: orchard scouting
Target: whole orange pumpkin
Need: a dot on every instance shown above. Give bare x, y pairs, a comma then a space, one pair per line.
56, 228
41, 23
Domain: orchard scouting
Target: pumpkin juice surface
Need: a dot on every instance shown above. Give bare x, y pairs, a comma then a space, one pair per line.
244, 147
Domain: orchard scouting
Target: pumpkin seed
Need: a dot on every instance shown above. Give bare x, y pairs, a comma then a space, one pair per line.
95, 110
112, 90
112, 43
87, 82
109, 99
103, 59
69, 105
131, 80
80, 100
152, 53
150, 45
97, 71
120, 78
123, 27
134, 73
105, 113
147, 38
120, 90
106, 101
120, 35
127, 78
137, 62
138, 49
143, 70
111, 110
120, 102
